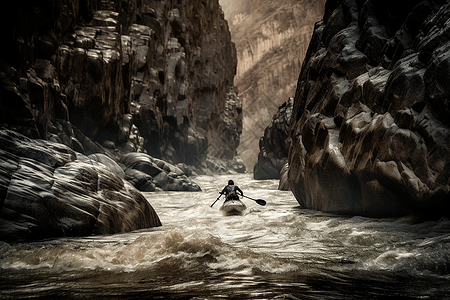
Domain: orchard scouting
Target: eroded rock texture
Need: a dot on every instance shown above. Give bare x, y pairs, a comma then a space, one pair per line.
370, 132
48, 190
273, 154
122, 76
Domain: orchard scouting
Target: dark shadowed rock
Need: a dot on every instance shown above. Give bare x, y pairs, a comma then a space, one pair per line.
109, 163
140, 180
370, 120
273, 152
48, 190
284, 178
122, 76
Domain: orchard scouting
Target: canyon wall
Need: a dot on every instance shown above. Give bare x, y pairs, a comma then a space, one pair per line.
271, 40
124, 76
370, 125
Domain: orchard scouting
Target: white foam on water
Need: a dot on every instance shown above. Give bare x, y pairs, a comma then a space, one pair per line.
278, 238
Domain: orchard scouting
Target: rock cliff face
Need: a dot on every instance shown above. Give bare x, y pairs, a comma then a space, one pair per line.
271, 40
273, 154
370, 130
132, 76
114, 94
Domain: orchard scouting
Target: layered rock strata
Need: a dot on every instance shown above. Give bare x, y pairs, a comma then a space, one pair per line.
47, 190
130, 76
370, 125
273, 154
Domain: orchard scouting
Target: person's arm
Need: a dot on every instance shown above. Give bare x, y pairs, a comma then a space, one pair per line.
242, 194
223, 191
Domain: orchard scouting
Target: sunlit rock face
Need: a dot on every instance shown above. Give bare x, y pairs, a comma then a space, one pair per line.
271, 40
48, 190
128, 76
273, 153
370, 131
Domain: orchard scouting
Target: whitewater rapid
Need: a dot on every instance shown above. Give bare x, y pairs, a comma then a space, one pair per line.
273, 251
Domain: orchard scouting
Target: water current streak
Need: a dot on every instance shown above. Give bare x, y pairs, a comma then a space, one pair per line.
278, 251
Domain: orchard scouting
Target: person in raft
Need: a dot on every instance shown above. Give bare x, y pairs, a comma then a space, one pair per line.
231, 191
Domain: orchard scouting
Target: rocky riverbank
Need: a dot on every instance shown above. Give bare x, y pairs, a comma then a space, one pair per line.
48, 190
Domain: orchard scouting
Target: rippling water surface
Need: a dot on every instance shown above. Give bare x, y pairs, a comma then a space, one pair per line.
277, 251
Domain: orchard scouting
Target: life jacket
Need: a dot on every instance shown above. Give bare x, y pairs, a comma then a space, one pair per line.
230, 192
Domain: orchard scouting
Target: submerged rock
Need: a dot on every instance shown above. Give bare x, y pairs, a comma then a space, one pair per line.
371, 121
48, 190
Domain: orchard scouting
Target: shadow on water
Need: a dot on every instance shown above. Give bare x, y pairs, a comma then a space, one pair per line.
323, 284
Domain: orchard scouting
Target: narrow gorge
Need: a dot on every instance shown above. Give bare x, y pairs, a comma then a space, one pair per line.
122, 120
271, 40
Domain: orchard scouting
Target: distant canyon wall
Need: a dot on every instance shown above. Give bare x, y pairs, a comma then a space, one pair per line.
370, 124
127, 76
271, 40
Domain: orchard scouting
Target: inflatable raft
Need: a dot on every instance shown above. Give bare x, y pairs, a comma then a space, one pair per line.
233, 206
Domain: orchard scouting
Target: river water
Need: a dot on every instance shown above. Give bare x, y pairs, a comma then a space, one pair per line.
277, 251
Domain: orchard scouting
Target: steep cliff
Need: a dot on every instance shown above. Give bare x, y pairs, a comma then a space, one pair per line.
129, 76
370, 130
271, 40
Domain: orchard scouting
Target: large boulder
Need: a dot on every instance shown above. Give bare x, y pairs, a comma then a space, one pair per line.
147, 172
48, 190
370, 125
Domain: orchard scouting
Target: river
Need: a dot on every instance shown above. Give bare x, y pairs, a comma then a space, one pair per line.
277, 251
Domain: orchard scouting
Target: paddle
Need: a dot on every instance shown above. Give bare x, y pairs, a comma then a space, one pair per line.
216, 200
259, 201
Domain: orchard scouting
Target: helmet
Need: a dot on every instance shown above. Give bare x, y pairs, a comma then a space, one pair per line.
230, 182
